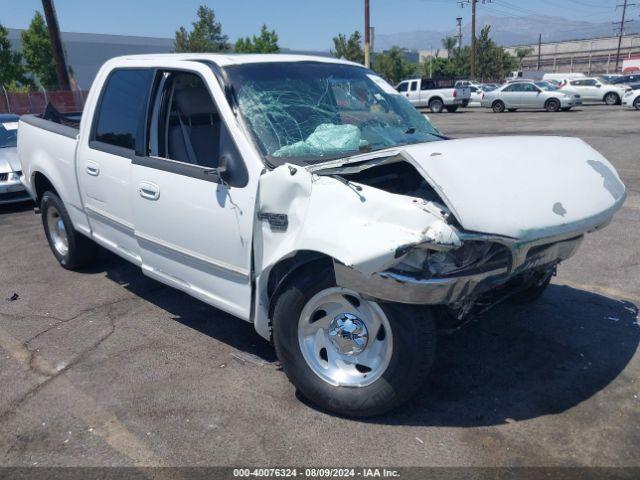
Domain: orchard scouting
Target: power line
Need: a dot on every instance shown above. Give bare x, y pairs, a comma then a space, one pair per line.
622, 23
473, 3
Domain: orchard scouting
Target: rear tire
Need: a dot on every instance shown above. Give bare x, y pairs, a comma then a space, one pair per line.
552, 105
72, 249
498, 106
611, 98
308, 310
436, 105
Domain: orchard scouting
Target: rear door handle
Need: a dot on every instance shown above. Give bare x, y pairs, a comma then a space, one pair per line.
93, 168
149, 190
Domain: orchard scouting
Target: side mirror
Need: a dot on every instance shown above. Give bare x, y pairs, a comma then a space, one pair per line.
223, 163
598, 86
221, 169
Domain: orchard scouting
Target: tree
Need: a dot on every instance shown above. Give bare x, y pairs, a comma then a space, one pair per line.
206, 35
521, 53
349, 48
266, 42
37, 53
392, 65
493, 63
449, 43
11, 69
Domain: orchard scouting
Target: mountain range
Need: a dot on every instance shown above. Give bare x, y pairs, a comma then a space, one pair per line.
506, 31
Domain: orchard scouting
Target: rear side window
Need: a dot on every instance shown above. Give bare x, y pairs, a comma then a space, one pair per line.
122, 107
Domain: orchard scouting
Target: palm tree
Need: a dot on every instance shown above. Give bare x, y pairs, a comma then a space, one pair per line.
449, 43
522, 52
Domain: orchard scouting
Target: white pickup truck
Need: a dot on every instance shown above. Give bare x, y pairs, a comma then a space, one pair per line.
307, 196
437, 95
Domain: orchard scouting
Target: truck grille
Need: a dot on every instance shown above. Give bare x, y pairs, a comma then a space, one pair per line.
4, 177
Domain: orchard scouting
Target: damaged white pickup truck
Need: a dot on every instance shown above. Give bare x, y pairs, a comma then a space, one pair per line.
306, 196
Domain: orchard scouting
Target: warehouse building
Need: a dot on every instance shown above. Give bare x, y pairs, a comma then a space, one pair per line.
590, 56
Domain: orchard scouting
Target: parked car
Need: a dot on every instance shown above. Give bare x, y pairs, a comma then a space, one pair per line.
516, 95
434, 94
548, 86
631, 99
562, 77
627, 79
477, 92
11, 190
346, 231
596, 89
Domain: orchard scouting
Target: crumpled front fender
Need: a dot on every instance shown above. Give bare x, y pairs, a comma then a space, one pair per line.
363, 228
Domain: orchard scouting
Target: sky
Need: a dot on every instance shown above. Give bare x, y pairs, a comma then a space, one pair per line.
300, 24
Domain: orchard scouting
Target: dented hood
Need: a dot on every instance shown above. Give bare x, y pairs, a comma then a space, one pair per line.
521, 187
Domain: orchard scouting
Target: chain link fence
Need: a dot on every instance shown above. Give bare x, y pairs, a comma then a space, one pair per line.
35, 101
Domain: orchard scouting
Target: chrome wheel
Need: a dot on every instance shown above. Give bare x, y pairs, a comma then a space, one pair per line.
345, 339
57, 231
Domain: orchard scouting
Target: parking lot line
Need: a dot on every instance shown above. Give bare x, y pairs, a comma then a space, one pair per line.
101, 422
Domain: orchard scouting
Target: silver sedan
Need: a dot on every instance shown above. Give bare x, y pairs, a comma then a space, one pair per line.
513, 96
11, 190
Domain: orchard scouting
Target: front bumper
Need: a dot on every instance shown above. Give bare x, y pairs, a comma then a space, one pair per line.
395, 286
627, 102
12, 191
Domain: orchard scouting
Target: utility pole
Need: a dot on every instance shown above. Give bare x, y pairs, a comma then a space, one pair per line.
539, 49
622, 24
459, 33
473, 3
367, 36
56, 45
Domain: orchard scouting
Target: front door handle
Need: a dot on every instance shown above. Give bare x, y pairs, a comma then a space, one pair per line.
149, 190
93, 168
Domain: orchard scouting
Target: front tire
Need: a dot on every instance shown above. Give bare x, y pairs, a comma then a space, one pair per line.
349, 355
72, 249
636, 103
611, 98
498, 106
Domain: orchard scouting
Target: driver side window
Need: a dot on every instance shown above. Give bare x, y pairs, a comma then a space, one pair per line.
185, 124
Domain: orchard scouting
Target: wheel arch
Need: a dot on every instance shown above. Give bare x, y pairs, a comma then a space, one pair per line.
41, 183
273, 280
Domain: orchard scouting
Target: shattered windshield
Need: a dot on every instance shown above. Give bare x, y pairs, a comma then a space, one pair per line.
310, 112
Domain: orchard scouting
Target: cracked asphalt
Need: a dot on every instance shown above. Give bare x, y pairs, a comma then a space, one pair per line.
106, 367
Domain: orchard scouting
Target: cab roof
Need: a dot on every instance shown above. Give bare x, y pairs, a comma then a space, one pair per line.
229, 59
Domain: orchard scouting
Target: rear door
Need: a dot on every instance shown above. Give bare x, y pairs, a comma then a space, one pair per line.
414, 92
510, 95
104, 159
194, 227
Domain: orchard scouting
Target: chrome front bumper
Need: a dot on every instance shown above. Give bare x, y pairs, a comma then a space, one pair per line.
12, 191
395, 286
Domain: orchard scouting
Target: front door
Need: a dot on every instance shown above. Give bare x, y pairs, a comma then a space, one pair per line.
193, 225
531, 96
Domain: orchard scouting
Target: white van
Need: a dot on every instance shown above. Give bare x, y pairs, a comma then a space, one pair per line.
562, 77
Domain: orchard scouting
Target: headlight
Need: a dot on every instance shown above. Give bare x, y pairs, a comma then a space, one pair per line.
14, 176
472, 254
454, 261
